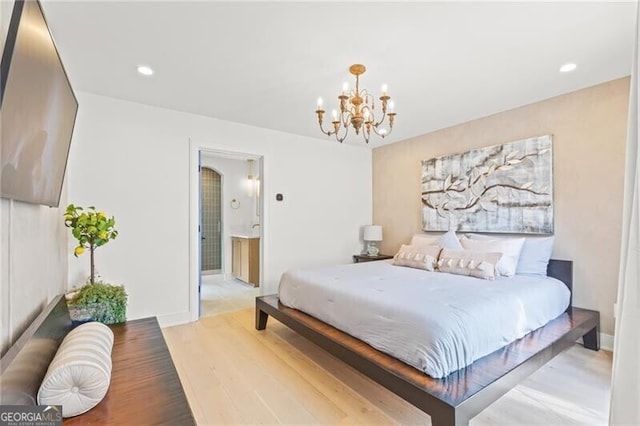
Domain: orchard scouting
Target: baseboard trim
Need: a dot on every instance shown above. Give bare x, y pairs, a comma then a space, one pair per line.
170, 320
606, 342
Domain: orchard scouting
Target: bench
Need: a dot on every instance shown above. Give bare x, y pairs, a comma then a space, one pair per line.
145, 387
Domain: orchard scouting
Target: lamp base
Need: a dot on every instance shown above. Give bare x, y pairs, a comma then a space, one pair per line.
372, 250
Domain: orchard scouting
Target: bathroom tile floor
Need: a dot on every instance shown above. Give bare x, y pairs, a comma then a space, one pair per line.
221, 296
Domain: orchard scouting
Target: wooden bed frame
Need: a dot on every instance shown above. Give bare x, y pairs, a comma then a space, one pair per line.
455, 399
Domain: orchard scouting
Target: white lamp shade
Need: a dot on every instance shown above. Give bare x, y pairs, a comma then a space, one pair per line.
372, 233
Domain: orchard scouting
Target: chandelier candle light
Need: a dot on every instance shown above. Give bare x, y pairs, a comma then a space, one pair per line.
357, 110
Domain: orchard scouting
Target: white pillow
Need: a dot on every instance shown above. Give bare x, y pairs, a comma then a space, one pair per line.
447, 240
535, 254
79, 375
425, 240
419, 257
509, 247
466, 262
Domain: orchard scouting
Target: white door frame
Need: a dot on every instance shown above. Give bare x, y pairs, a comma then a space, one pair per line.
195, 147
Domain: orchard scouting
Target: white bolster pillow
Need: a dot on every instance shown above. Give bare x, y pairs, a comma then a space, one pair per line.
79, 375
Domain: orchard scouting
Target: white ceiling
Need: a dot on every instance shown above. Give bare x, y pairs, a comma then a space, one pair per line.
266, 63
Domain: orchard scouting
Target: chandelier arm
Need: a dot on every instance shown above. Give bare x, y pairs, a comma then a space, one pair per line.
320, 113
372, 115
382, 135
324, 131
344, 136
366, 134
346, 118
375, 125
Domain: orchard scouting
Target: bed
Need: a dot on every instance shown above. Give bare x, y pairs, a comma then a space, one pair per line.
467, 385
436, 322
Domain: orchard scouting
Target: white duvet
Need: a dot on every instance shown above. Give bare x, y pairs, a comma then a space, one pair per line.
434, 321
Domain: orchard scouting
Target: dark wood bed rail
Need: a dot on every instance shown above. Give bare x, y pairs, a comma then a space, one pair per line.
455, 399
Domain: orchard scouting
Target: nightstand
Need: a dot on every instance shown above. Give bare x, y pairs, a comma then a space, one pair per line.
357, 258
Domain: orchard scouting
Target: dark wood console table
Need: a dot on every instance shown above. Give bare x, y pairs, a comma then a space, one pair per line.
145, 387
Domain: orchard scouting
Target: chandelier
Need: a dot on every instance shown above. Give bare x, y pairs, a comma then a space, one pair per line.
357, 110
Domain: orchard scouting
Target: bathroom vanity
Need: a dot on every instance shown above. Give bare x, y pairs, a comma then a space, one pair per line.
245, 264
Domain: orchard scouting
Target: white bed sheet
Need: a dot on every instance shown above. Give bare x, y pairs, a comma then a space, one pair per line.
434, 321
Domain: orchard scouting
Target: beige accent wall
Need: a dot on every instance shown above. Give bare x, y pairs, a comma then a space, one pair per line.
589, 133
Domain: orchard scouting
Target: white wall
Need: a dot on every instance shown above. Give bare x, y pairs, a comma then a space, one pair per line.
33, 243
234, 186
34, 263
133, 161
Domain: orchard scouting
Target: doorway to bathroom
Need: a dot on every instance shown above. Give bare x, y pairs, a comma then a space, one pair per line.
230, 231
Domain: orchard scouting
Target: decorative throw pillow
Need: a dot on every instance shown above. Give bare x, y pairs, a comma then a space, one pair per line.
79, 375
535, 254
420, 257
509, 247
465, 262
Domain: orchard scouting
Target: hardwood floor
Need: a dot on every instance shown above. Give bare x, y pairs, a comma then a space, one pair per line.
233, 374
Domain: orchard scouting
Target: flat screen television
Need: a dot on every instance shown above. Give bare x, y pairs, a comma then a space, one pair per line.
37, 110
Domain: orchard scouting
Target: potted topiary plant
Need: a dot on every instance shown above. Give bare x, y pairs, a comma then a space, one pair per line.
95, 301
100, 302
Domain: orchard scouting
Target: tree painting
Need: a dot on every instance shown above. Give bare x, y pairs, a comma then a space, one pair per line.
503, 188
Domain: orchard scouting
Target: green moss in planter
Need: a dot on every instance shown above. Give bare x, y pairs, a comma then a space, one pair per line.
100, 302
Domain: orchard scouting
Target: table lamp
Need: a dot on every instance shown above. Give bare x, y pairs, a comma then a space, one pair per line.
372, 233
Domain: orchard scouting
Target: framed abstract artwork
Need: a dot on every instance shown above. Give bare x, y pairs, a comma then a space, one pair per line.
503, 188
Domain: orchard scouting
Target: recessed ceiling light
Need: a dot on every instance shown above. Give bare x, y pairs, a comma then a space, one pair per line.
145, 70
568, 67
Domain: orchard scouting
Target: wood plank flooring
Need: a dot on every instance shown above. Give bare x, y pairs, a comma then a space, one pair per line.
233, 374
